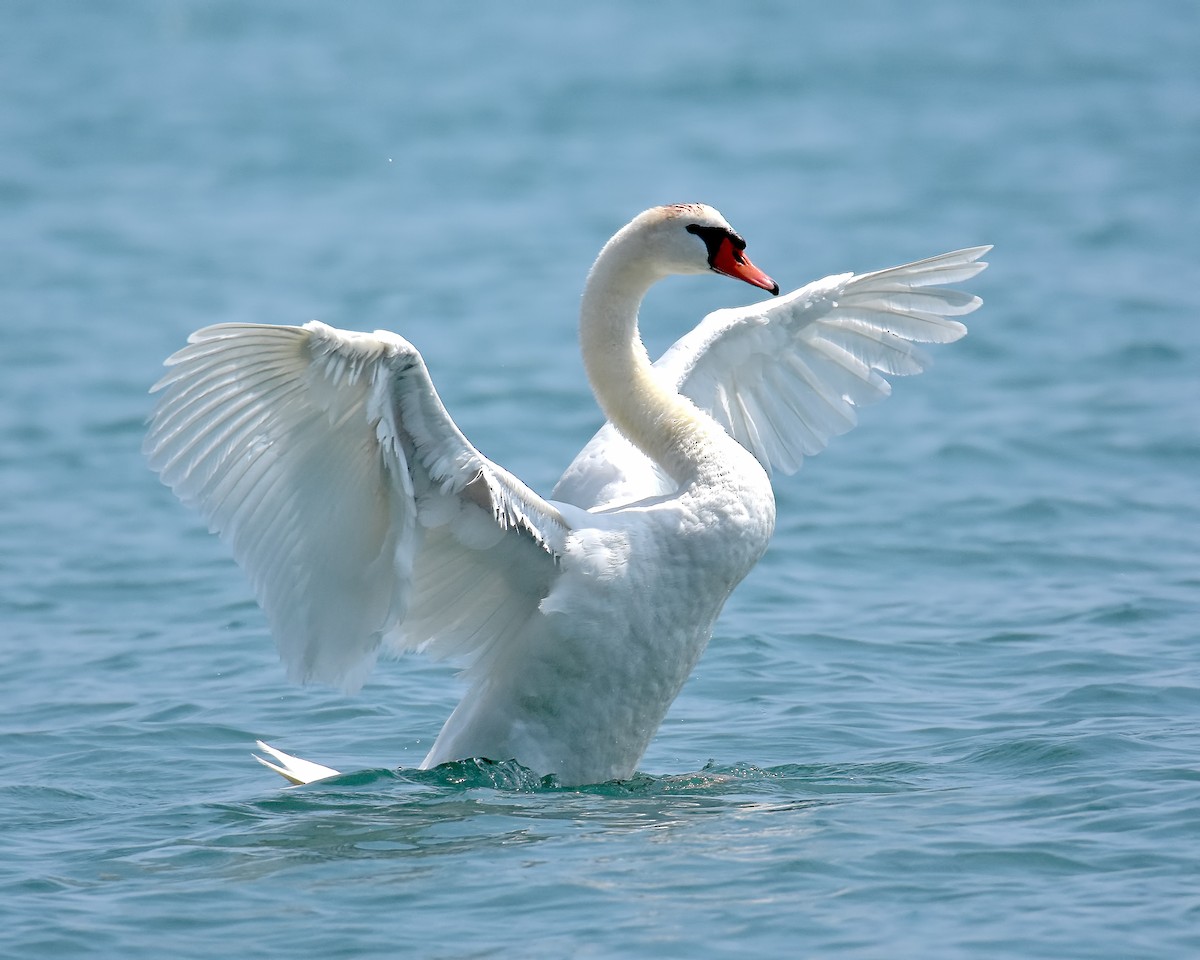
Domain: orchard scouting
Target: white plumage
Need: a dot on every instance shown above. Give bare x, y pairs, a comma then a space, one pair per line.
365, 520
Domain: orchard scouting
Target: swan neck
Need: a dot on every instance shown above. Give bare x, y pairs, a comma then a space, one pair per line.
665, 426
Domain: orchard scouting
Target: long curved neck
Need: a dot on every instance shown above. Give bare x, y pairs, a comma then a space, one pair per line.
665, 426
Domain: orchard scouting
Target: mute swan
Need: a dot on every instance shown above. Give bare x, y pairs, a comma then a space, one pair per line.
366, 521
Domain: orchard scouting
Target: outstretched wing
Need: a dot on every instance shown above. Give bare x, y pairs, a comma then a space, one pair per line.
784, 376
357, 508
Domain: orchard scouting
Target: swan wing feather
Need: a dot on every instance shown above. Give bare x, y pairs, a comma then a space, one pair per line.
784, 376
327, 461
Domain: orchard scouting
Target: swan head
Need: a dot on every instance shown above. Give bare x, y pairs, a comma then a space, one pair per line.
691, 238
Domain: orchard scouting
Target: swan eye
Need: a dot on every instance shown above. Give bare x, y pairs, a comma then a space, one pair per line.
713, 237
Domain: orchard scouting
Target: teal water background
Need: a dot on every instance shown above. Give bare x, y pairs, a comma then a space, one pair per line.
956, 710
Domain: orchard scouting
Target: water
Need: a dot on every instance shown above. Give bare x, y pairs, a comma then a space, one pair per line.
954, 712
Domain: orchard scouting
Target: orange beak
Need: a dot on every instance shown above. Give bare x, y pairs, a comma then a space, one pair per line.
733, 262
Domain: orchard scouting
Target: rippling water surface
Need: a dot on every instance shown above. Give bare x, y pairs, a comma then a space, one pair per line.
954, 712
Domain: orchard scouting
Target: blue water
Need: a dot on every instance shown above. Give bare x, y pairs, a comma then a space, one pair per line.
955, 712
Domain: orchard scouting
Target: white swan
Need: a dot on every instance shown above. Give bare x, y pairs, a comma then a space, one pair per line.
365, 519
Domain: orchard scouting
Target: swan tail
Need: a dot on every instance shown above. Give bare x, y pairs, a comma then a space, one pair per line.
293, 769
